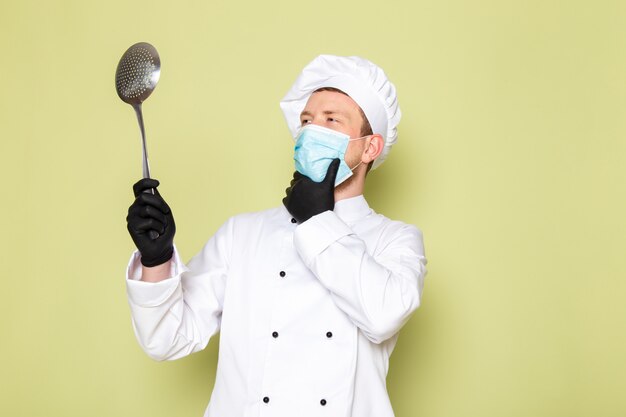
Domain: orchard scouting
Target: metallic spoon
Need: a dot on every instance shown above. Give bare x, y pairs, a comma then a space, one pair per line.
136, 78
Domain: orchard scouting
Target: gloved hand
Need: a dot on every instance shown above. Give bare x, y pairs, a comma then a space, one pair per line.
306, 198
150, 212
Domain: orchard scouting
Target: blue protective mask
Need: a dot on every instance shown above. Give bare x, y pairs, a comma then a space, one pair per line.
315, 149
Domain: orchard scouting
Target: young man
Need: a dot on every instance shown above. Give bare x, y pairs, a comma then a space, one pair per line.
309, 297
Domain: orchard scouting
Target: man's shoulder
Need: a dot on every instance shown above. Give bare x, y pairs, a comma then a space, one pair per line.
275, 215
392, 227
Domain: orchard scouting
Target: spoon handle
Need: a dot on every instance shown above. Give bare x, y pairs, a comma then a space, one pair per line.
146, 167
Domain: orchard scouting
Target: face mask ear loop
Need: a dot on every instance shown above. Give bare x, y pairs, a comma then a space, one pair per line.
350, 140
356, 166
362, 137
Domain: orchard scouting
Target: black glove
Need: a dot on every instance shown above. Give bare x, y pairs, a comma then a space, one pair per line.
149, 213
306, 198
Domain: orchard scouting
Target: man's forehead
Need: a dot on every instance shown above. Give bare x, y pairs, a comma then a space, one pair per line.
330, 101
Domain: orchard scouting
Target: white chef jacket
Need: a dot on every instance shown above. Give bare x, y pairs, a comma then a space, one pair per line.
308, 313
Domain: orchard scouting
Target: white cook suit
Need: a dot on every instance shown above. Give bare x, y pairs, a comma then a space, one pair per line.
308, 314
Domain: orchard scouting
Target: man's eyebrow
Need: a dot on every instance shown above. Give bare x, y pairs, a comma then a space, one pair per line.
326, 112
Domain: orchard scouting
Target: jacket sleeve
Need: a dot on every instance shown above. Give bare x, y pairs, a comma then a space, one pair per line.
379, 292
177, 316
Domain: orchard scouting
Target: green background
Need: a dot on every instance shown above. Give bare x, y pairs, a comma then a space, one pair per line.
510, 159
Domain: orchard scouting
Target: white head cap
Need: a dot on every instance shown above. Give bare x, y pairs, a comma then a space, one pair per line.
359, 78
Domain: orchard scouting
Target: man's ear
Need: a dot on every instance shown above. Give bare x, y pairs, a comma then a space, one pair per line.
374, 148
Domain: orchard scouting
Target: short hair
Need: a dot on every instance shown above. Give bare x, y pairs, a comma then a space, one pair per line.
366, 128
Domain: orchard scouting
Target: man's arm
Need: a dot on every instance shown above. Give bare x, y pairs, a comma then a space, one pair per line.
177, 315
175, 310
379, 293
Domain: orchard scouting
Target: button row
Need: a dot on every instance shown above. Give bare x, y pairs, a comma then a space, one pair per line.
267, 400
328, 334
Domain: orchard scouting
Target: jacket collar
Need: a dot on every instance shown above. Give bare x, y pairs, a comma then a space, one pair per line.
352, 209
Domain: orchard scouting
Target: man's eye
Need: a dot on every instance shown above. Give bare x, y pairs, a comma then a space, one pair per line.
305, 121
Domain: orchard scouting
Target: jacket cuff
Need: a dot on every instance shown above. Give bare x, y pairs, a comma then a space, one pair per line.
150, 294
317, 233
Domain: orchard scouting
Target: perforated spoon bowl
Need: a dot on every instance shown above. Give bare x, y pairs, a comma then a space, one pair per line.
136, 78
